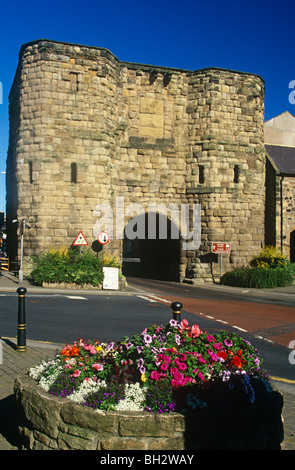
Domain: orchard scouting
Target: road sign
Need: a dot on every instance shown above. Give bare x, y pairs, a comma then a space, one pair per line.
220, 247
103, 238
111, 278
80, 240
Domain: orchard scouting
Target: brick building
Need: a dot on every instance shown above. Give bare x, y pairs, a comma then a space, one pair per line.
87, 129
280, 183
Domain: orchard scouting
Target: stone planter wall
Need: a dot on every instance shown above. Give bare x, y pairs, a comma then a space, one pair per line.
47, 422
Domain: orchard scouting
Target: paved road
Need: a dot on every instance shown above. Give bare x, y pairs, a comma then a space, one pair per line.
268, 315
110, 315
65, 316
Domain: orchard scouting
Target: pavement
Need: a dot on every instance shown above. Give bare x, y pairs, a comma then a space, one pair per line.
14, 363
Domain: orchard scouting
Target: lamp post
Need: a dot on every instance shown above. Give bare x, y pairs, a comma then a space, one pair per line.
22, 231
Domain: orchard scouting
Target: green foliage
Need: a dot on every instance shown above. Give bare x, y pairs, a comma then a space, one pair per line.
106, 398
269, 257
258, 277
70, 266
268, 269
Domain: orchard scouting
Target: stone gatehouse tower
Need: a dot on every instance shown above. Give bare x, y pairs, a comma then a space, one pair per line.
87, 129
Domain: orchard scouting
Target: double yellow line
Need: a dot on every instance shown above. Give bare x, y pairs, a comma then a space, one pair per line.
279, 379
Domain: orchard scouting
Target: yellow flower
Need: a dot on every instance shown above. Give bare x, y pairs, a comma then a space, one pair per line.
98, 348
143, 378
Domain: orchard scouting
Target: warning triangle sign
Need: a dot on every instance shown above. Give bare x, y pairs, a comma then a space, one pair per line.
80, 240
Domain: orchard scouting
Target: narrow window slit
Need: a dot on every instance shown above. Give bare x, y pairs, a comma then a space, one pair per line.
73, 172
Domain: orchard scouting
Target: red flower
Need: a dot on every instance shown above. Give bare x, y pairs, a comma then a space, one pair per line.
222, 354
237, 361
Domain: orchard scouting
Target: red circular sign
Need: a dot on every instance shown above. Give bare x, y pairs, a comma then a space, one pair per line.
103, 238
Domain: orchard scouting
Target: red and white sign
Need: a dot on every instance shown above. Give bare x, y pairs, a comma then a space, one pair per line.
220, 247
80, 240
103, 238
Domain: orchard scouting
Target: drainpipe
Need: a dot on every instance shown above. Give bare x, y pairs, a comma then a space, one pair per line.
282, 211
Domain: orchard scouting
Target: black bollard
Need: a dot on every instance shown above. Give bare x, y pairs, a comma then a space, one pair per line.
21, 324
176, 309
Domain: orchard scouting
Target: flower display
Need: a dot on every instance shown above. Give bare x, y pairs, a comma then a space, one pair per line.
172, 367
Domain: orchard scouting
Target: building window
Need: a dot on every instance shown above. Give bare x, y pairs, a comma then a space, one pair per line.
201, 174
236, 174
31, 172
73, 172
74, 81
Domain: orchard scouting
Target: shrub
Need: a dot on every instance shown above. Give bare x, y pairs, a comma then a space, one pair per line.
70, 266
258, 277
269, 257
269, 269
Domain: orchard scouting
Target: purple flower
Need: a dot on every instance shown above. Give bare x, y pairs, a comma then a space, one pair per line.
228, 342
147, 339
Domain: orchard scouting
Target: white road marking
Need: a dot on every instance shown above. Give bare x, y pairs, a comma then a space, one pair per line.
75, 297
146, 298
241, 329
161, 300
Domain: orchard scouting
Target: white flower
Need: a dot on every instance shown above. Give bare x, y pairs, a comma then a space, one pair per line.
87, 386
134, 398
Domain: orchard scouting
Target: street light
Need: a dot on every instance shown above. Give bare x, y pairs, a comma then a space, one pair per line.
22, 231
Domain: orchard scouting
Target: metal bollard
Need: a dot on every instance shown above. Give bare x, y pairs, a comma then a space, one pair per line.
176, 309
21, 325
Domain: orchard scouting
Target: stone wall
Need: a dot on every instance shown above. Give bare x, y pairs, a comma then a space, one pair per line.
288, 189
280, 211
86, 129
53, 423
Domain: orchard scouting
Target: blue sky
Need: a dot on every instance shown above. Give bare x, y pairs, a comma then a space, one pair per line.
253, 36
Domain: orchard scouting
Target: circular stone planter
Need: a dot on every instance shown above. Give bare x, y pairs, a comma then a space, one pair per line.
49, 422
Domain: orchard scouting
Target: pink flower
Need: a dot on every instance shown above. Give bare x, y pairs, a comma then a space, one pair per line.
210, 338
178, 376
202, 360
166, 359
217, 346
182, 366
97, 366
184, 324
90, 348
214, 357
155, 375
164, 366
201, 376
196, 331
76, 373
174, 383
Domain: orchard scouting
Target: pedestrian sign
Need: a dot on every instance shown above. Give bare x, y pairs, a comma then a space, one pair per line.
80, 240
220, 247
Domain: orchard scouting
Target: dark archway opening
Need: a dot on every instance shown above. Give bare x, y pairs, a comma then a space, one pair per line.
292, 246
151, 248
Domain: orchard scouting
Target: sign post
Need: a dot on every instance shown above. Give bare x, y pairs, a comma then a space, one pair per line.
103, 238
220, 248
